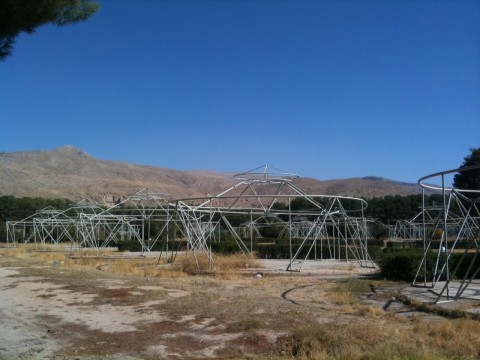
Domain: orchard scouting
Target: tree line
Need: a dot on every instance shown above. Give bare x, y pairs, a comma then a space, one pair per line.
388, 208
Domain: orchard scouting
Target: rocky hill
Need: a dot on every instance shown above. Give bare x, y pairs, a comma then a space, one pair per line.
71, 173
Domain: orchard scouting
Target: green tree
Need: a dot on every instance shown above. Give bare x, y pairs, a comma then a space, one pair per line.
469, 179
14, 209
379, 230
18, 16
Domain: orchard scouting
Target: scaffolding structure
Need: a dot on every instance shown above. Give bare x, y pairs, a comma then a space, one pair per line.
88, 225
50, 225
458, 228
428, 219
143, 217
22, 231
325, 228
265, 194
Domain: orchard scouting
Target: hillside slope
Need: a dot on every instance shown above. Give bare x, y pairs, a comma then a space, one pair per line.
71, 173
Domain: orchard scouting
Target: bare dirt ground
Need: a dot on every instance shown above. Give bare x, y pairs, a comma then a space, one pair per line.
54, 311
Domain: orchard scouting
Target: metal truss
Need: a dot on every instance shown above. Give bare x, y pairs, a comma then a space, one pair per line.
334, 225
405, 230
264, 194
21, 231
458, 222
53, 230
101, 230
429, 219
144, 216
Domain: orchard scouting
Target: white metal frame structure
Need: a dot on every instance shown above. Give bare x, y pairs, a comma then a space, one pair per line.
263, 194
22, 231
257, 195
54, 226
429, 218
134, 218
88, 225
333, 222
463, 226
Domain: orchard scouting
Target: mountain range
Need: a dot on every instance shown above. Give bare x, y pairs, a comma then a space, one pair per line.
71, 173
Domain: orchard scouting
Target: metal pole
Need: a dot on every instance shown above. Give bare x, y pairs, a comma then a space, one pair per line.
445, 234
290, 231
424, 240
168, 226
251, 233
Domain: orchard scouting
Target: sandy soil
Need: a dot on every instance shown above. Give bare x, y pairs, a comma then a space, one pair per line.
58, 312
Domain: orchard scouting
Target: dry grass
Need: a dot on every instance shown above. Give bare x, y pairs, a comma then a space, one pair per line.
372, 333
342, 328
459, 338
235, 262
222, 266
19, 249
387, 339
346, 292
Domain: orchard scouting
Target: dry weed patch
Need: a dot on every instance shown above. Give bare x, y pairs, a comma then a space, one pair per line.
278, 317
347, 292
459, 338
224, 266
373, 334
19, 250
369, 340
388, 337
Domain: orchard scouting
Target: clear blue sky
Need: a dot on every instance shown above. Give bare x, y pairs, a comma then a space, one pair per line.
324, 89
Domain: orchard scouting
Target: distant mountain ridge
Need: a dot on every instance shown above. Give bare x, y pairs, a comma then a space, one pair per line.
71, 173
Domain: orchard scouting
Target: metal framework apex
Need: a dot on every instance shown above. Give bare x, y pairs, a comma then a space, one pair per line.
266, 173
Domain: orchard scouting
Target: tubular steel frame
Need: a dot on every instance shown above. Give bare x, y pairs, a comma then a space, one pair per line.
264, 194
256, 195
458, 221
143, 216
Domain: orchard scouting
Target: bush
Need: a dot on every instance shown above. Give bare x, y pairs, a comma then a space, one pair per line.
464, 265
135, 246
375, 252
376, 242
226, 247
403, 264
379, 231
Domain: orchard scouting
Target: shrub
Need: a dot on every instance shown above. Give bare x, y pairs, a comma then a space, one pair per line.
464, 265
375, 252
401, 265
135, 246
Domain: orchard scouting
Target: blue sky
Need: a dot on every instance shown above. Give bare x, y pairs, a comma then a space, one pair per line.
324, 89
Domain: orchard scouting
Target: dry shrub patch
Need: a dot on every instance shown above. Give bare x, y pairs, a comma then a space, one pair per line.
367, 341
347, 292
19, 250
371, 333
224, 266
389, 338
458, 338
